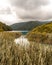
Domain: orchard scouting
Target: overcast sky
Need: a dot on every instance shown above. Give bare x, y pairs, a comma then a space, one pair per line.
12, 11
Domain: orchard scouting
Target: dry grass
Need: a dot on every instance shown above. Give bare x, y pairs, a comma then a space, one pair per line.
13, 54
45, 38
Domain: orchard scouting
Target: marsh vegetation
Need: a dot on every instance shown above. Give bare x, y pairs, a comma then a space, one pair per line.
14, 54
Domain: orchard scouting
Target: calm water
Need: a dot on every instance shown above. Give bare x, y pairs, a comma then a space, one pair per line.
23, 32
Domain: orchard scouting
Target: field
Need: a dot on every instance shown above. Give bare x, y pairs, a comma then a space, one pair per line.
13, 54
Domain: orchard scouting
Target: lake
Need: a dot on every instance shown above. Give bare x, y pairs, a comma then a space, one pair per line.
23, 32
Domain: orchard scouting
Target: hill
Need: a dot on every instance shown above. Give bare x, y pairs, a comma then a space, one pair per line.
43, 28
26, 25
4, 27
41, 33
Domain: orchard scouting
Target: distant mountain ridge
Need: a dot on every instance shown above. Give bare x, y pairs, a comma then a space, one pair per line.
26, 25
4, 27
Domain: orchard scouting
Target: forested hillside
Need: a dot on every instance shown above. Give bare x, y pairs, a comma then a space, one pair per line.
26, 25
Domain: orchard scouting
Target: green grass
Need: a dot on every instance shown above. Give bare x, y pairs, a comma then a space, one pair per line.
13, 54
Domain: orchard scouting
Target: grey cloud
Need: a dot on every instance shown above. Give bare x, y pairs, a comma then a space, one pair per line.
31, 9
36, 15
29, 4
26, 14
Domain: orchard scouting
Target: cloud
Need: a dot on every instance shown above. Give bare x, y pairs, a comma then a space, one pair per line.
32, 9
25, 10
29, 4
7, 12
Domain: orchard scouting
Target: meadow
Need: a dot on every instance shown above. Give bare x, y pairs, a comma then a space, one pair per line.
14, 54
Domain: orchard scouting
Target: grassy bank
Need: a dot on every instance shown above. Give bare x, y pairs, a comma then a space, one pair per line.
13, 54
45, 38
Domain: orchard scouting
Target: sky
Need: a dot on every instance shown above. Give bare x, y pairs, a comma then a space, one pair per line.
15, 11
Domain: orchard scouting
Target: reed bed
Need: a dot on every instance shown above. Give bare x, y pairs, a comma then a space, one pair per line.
13, 54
